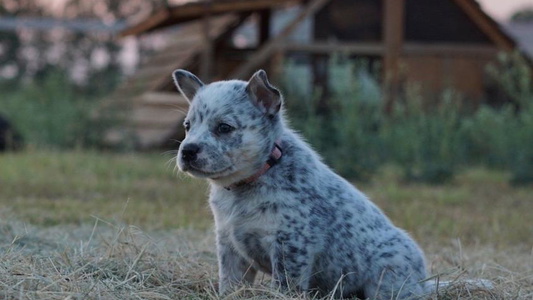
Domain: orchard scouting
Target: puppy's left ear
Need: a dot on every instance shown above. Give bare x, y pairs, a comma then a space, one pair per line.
188, 84
263, 94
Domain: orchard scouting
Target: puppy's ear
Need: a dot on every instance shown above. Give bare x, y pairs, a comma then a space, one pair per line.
263, 94
187, 83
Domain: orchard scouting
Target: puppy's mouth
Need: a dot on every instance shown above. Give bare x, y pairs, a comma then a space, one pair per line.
197, 172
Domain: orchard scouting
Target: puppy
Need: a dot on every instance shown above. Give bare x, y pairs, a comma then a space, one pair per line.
279, 209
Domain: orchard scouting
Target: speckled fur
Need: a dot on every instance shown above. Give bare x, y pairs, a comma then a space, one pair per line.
302, 223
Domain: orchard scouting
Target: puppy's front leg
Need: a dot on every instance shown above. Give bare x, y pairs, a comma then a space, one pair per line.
292, 266
233, 269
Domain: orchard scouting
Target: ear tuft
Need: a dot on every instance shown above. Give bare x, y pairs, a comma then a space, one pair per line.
187, 83
263, 94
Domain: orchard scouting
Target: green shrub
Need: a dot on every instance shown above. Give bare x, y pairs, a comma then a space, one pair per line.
356, 120
347, 135
503, 139
487, 136
511, 135
521, 149
52, 113
512, 73
429, 141
425, 142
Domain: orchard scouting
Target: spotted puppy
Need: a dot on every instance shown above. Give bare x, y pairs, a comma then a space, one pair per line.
279, 209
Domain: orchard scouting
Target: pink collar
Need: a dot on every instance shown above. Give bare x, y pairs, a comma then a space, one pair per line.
273, 159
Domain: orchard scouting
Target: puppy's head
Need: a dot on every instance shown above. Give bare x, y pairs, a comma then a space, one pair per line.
230, 128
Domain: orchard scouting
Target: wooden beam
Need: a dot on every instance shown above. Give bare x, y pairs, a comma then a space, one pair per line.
195, 10
378, 49
336, 47
446, 49
264, 25
167, 100
267, 50
206, 61
487, 25
393, 36
148, 24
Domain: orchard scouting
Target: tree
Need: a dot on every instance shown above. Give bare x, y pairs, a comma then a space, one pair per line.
34, 53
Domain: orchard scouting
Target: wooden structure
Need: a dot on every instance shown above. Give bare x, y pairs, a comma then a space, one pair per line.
438, 43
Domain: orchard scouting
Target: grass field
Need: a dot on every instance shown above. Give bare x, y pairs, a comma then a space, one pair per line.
92, 225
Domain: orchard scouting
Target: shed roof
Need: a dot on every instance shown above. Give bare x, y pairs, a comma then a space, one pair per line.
194, 10
487, 24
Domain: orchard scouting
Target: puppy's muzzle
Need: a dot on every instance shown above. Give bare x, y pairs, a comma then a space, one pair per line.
189, 152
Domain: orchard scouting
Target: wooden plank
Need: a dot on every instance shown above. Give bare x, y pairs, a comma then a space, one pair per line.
264, 25
186, 38
393, 36
427, 70
445, 49
163, 70
194, 31
269, 47
197, 9
221, 25
467, 75
435, 73
169, 56
155, 72
164, 99
147, 24
194, 10
156, 117
335, 47
207, 57
486, 24
190, 38
393, 20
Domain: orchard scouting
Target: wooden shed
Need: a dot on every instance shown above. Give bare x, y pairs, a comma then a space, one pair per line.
438, 43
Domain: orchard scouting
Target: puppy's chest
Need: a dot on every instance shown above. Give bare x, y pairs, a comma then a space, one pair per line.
251, 225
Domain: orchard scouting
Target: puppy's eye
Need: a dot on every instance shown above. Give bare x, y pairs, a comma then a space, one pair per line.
187, 125
224, 128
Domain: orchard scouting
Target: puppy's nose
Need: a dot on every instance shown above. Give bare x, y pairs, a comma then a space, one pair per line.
189, 152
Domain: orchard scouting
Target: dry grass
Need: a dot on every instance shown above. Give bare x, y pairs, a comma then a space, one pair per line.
103, 262
52, 245
107, 261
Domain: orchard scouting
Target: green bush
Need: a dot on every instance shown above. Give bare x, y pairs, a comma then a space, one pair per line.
425, 142
521, 149
356, 137
356, 121
430, 140
511, 135
503, 139
487, 136
347, 134
52, 113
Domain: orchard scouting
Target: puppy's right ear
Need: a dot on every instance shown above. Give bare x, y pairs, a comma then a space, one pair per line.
188, 84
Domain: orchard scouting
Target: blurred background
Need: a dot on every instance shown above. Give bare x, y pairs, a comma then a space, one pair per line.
428, 87
427, 106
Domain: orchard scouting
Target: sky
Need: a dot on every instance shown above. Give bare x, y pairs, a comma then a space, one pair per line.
501, 10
